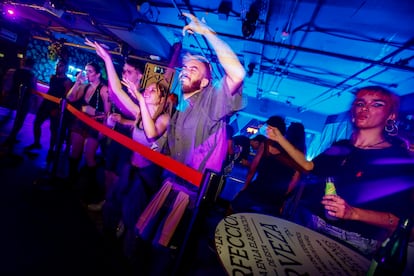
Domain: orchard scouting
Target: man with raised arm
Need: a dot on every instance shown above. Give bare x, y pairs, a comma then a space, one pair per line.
197, 135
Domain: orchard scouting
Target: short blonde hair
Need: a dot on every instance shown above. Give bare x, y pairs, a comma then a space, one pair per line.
188, 57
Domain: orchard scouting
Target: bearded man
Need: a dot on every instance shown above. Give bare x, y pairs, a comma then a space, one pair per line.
197, 134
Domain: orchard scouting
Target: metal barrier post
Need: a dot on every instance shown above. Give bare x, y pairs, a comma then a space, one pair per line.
48, 181
57, 147
207, 195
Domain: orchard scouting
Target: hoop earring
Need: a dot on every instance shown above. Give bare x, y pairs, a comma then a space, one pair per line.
353, 120
391, 127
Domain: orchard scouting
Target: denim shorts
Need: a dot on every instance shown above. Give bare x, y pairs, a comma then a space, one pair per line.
364, 245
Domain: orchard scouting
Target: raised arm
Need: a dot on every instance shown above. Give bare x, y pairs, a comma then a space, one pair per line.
121, 99
253, 166
235, 72
299, 157
75, 92
153, 129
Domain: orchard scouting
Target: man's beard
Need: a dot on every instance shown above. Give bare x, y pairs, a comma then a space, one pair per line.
194, 86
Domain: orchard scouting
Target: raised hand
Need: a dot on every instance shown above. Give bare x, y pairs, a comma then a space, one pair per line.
132, 89
81, 78
196, 26
273, 133
100, 50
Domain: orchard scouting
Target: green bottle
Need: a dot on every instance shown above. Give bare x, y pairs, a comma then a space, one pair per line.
391, 257
330, 190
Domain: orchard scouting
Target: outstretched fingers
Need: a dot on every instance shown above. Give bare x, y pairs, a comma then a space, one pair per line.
194, 22
99, 48
89, 43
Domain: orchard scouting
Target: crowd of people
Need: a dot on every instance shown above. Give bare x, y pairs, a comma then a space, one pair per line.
372, 194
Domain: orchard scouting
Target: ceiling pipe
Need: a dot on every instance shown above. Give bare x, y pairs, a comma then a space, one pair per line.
265, 42
314, 15
311, 102
180, 13
306, 49
285, 35
103, 32
253, 53
93, 50
342, 88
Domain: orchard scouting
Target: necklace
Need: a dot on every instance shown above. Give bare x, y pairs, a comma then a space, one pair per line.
372, 145
90, 91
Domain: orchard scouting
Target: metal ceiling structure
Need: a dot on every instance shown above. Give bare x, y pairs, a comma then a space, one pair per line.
302, 56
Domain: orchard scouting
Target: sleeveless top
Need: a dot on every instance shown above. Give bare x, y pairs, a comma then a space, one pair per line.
138, 135
274, 173
96, 99
56, 88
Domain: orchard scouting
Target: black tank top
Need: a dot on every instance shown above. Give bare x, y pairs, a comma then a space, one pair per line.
96, 99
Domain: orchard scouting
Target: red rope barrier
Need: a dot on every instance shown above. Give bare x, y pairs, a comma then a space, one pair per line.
189, 174
47, 97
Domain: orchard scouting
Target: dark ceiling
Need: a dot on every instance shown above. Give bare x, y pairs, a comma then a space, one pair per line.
305, 56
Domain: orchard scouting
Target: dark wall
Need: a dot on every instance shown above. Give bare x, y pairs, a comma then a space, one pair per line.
266, 108
406, 120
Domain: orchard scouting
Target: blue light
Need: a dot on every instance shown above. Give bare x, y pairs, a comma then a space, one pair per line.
72, 71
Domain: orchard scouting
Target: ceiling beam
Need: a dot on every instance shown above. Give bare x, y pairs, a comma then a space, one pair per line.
408, 44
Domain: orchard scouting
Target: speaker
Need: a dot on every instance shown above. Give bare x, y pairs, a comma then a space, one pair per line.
157, 73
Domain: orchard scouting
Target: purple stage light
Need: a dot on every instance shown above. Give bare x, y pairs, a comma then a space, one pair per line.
10, 11
372, 190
